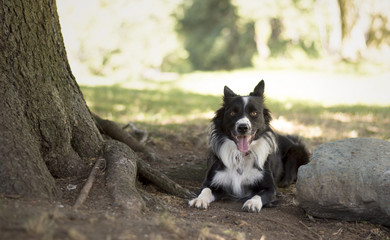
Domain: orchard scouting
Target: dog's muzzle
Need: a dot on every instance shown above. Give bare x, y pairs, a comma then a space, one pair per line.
243, 135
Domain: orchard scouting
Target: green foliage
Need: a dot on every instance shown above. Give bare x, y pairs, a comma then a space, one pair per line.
214, 35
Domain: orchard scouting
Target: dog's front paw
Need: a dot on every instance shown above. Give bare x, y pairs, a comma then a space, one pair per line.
199, 203
253, 205
203, 200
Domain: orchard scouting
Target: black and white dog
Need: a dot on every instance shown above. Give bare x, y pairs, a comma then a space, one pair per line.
247, 158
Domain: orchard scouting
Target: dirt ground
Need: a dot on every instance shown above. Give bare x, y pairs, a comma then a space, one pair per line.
166, 216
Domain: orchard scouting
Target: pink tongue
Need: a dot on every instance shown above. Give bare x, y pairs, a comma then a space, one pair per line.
243, 144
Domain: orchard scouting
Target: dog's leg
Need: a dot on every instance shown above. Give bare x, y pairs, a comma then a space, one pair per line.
203, 200
266, 191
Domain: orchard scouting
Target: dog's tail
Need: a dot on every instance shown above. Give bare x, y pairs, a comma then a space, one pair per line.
294, 154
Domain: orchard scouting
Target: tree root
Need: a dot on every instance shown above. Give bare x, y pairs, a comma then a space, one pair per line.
143, 168
88, 185
141, 134
112, 130
121, 174
162, 181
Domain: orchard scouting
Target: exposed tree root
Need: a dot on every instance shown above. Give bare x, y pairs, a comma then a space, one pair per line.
88, 185
112, 130
121, 174
141, 134
159, 179
162, 181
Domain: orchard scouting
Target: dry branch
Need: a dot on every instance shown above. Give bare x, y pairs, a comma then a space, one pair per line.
88, 185
112, 130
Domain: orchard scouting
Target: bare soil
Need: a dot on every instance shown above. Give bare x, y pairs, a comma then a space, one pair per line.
166, 216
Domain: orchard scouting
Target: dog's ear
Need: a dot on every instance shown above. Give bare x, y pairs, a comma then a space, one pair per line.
259, 90
228, 93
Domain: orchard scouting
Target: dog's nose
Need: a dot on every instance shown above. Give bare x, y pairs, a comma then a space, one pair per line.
243, 128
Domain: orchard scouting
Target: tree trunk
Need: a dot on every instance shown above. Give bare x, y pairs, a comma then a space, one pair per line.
46, 128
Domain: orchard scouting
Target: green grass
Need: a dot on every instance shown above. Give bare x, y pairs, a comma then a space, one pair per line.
176, 109
149, 106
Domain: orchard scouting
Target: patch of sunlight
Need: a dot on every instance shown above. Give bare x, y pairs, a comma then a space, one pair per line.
339, 116
292, 127
347, 117
118, 107
367, 118
351, 134
327, 89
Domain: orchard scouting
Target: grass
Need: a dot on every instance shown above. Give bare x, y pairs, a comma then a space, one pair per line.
176, 109
149, 106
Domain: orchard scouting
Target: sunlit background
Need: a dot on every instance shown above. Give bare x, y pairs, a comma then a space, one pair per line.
326, 63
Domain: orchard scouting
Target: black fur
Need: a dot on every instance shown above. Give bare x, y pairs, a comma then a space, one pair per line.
244, 148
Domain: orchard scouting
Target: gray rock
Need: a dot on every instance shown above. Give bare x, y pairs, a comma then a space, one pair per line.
347, 179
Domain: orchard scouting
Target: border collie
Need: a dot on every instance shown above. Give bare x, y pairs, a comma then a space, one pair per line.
247, 158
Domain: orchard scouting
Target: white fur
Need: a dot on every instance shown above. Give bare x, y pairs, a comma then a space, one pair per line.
229, 154
230, 177
262, 147
203, 200
240, 169
246, 100
213, 139
254, 204
243, 120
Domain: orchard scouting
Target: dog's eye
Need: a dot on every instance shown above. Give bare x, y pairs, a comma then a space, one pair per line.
232, 113
253, 114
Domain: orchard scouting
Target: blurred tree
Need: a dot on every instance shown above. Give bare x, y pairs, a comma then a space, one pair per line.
214, 35
347, 27
352, 30
378, 23
118, 38
283, 28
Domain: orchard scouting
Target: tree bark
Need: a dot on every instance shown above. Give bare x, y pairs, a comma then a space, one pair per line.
46, 127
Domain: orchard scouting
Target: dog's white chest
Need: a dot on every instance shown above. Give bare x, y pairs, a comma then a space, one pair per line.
231, 178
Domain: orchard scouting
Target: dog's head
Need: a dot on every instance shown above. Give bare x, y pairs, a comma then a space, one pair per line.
243, 119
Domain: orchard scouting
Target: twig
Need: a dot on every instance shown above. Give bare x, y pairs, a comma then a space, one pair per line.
88, 185
285, 226
319, 236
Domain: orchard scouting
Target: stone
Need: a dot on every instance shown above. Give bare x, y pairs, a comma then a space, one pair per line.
347, 179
